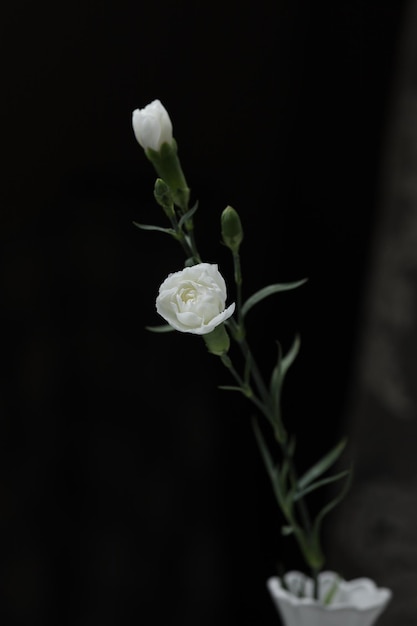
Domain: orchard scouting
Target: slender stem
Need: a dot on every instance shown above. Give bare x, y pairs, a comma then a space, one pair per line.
301, 505
263, 400
255, 371
191, 236
238, 281
265, 407
240, 331
246, 389
183, 240
304, 524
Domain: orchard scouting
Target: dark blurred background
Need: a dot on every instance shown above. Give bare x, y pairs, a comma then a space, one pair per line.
131, 490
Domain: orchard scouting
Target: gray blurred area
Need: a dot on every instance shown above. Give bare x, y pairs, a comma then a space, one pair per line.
374, 533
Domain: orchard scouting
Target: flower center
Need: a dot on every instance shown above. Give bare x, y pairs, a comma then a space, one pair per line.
188, 295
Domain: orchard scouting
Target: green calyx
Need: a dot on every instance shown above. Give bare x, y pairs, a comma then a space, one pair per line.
168, 167
218, 341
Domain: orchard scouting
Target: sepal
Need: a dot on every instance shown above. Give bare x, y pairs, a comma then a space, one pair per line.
168, 167
218, 341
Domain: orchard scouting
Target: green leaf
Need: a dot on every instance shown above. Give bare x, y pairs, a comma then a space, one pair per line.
277, 377
287, 530
268, 291
329, 507
169, 231
331, 592
283, 364
165, 328
321, 466
231, 388
188, 215
275, 385
273, 471
319, 483
290, 357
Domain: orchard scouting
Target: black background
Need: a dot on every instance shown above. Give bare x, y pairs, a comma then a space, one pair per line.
130, 488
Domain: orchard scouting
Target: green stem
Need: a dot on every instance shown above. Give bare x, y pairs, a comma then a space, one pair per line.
187, 241
301, 505
304, 527
238, 281
190, 232
305, 519
245, 388
262, 400
255, 371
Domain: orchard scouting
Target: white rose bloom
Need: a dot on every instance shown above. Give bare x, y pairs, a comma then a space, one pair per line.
194, 299
152, 126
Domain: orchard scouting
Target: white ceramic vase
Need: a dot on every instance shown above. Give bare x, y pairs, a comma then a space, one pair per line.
357, 602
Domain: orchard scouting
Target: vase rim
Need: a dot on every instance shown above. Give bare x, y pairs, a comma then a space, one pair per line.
376, 596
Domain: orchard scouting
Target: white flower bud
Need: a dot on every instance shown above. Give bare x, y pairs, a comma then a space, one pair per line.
194, 299
152, 126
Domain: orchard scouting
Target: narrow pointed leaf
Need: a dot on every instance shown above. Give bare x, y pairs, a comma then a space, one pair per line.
169, 231
272, 471
275, 383
231, 388
279, 371
321, 466
330, 506
319, 483
164, 328
268, 291
275, 387
331, 592
188, 215
289, 358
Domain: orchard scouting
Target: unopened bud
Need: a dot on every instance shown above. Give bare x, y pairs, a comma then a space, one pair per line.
152, 126
232, 231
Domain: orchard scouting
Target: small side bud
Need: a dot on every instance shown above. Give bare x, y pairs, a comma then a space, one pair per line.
163, 196
232, 231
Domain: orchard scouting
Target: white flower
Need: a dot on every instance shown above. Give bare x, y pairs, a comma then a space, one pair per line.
193, 300
152, 126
